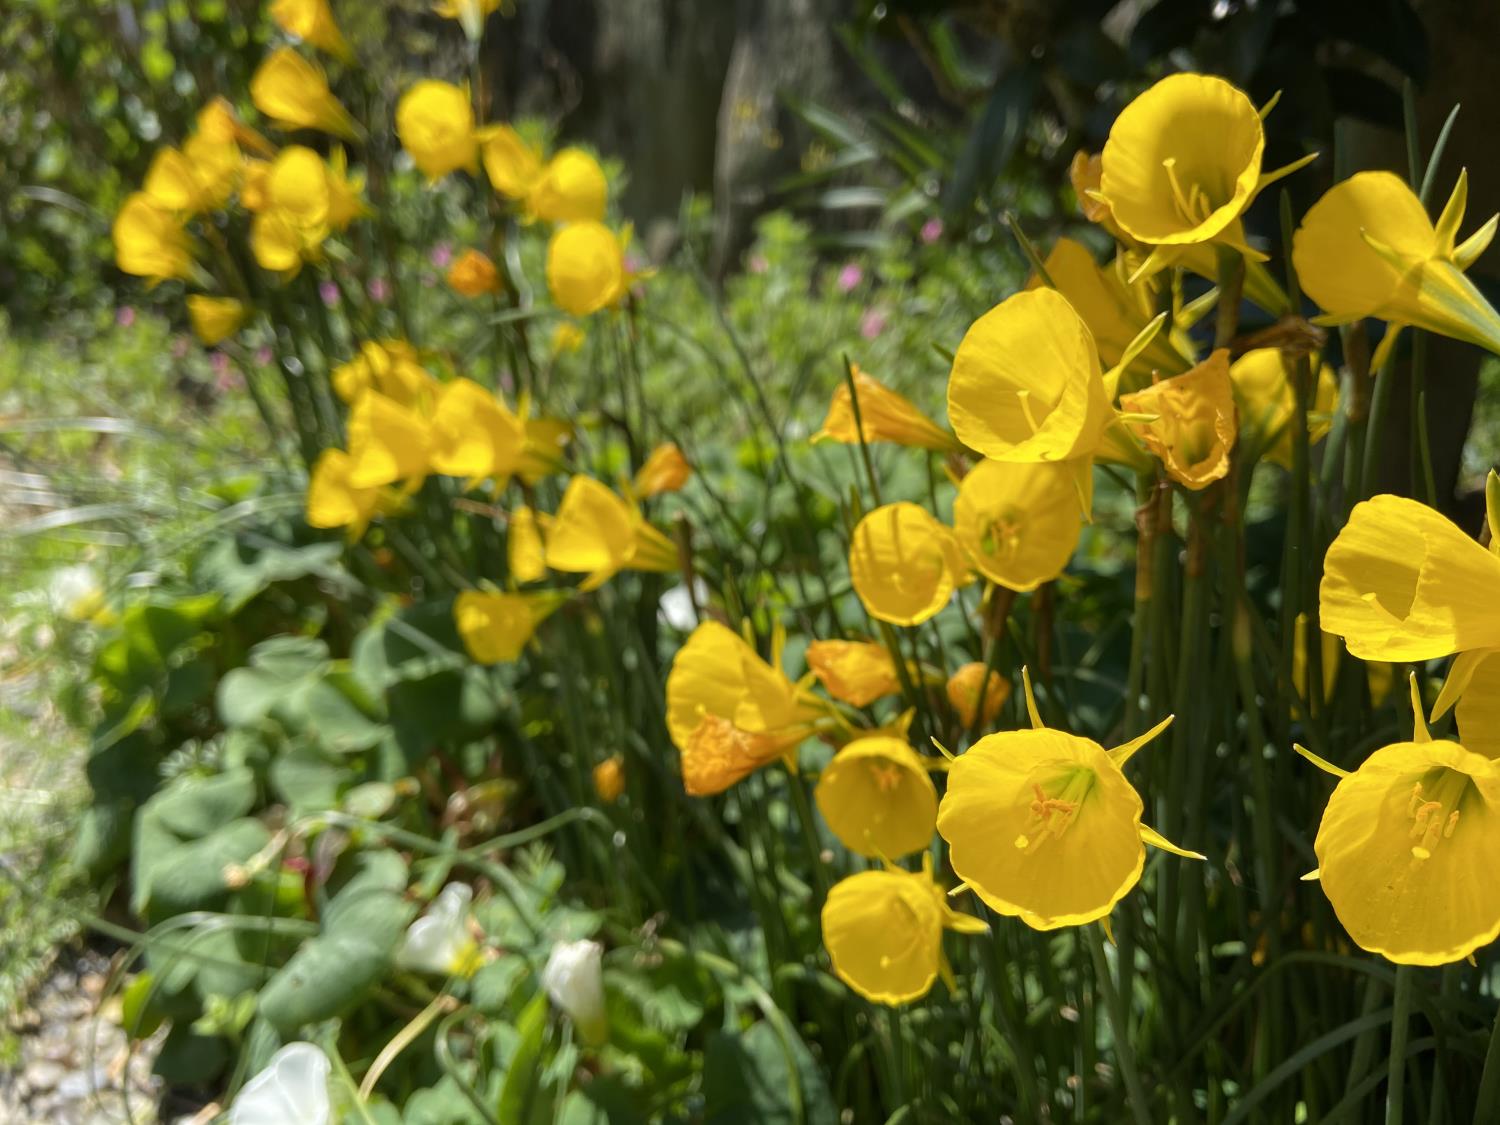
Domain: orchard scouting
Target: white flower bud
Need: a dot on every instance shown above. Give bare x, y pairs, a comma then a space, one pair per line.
291, 1090
574, 981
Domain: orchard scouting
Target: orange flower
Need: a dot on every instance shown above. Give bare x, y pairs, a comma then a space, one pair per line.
856, 672
884, 416
473, 274
666, 470
1194, 426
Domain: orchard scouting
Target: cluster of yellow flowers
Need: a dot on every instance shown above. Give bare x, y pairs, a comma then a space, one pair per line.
1095, 364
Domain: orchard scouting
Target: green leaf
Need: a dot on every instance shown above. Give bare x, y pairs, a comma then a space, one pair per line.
277, 666
521, 1073
243, 566
187, 835
762, 1077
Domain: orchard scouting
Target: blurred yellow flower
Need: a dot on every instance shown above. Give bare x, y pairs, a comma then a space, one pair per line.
854, 672
1018, 524
297, 213
474, 434
294, 93
665, 470
512, 164
332, 501
904, 564
884, 933
525, 554
1043, 825
877, 799
1405, 849
199, 177
586, 268
435, 121
1183, 162
255, 186
496, 627
597, 532
387, 443
219, 124
1402, 582
884, 416
391, 367
546, 438
470, 14
150, 241
609, 779
964, 689
344, 191
567, 337
1367, 248
1194, 427
1026, 383
716, 754
215, 319
1267, 404
473, 275
571, 189
312, 22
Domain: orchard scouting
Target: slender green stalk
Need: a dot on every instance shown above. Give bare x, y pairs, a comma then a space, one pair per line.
1395, 1091
1487, 1104
1119, 1021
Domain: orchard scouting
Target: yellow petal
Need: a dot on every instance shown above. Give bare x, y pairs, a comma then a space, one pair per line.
1018, 523
855, 672
496, 627
904, 564
884, 934
877, 798
435, 121
884, 415
294, 93
1195, 425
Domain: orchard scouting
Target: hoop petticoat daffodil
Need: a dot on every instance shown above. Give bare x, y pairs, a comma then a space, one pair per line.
598, 533
495, 627
884, 415
904, 564
1044, 826
884, 933
854, 672
1368, 249
1183, 162
312, 22
1018, 524
876, 797
294, 94
1267, 403
475, 435
435, 122
1405, 849
1193, 426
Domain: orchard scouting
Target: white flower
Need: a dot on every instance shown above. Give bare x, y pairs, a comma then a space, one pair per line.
74, 592
439, 941
676, 605
292, 1090
574, 981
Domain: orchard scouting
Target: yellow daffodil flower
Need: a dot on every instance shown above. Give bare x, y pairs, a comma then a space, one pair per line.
877, 799
218, 123
1018, 524
884, 416
597, 532
665, 470
752, 711
904, 564
571, 189
1478, 711
1043, 825
312, 22
473, 275
332, 501
496, 627
1405, 845
344, 191
964, 688
295, 220
854, 672
470, 14
1194, 425
391, 367
474, 434
150, 241
435, 121
1367, 248
884, 933
254, 186
215, 319
294, 93
199, 177
608, 778
387, 443
512, 163
525, 553
586, 268
546, 439
1267, 403
1183, 162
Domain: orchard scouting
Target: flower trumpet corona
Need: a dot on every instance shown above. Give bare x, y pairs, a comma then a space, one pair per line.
1043, 825
570, 189
215, 319
474, 275
877, 798
312, 22
474, 434
294, 93
884, 933
496, 627
387, 443
512, 163
1267, 404
291, 1090
1018, 524
391, 367
435, 122
1368, 249
332, 501
665, 470
904, 564
854, 672
884, 415
1405, 847
586, 268
1183, 162
1193, 423
150, 241
598, 532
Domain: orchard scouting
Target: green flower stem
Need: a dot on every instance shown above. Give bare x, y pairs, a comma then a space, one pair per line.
1380, 403
1395, 1091
1487, 1104
1119, 1021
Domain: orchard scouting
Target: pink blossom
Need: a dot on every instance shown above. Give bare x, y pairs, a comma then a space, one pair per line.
872, 324
329, 292
125, 316
442, 255
181, 345
380, 289
757, 263
932, 230
264, 356
849, 277
226, 378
